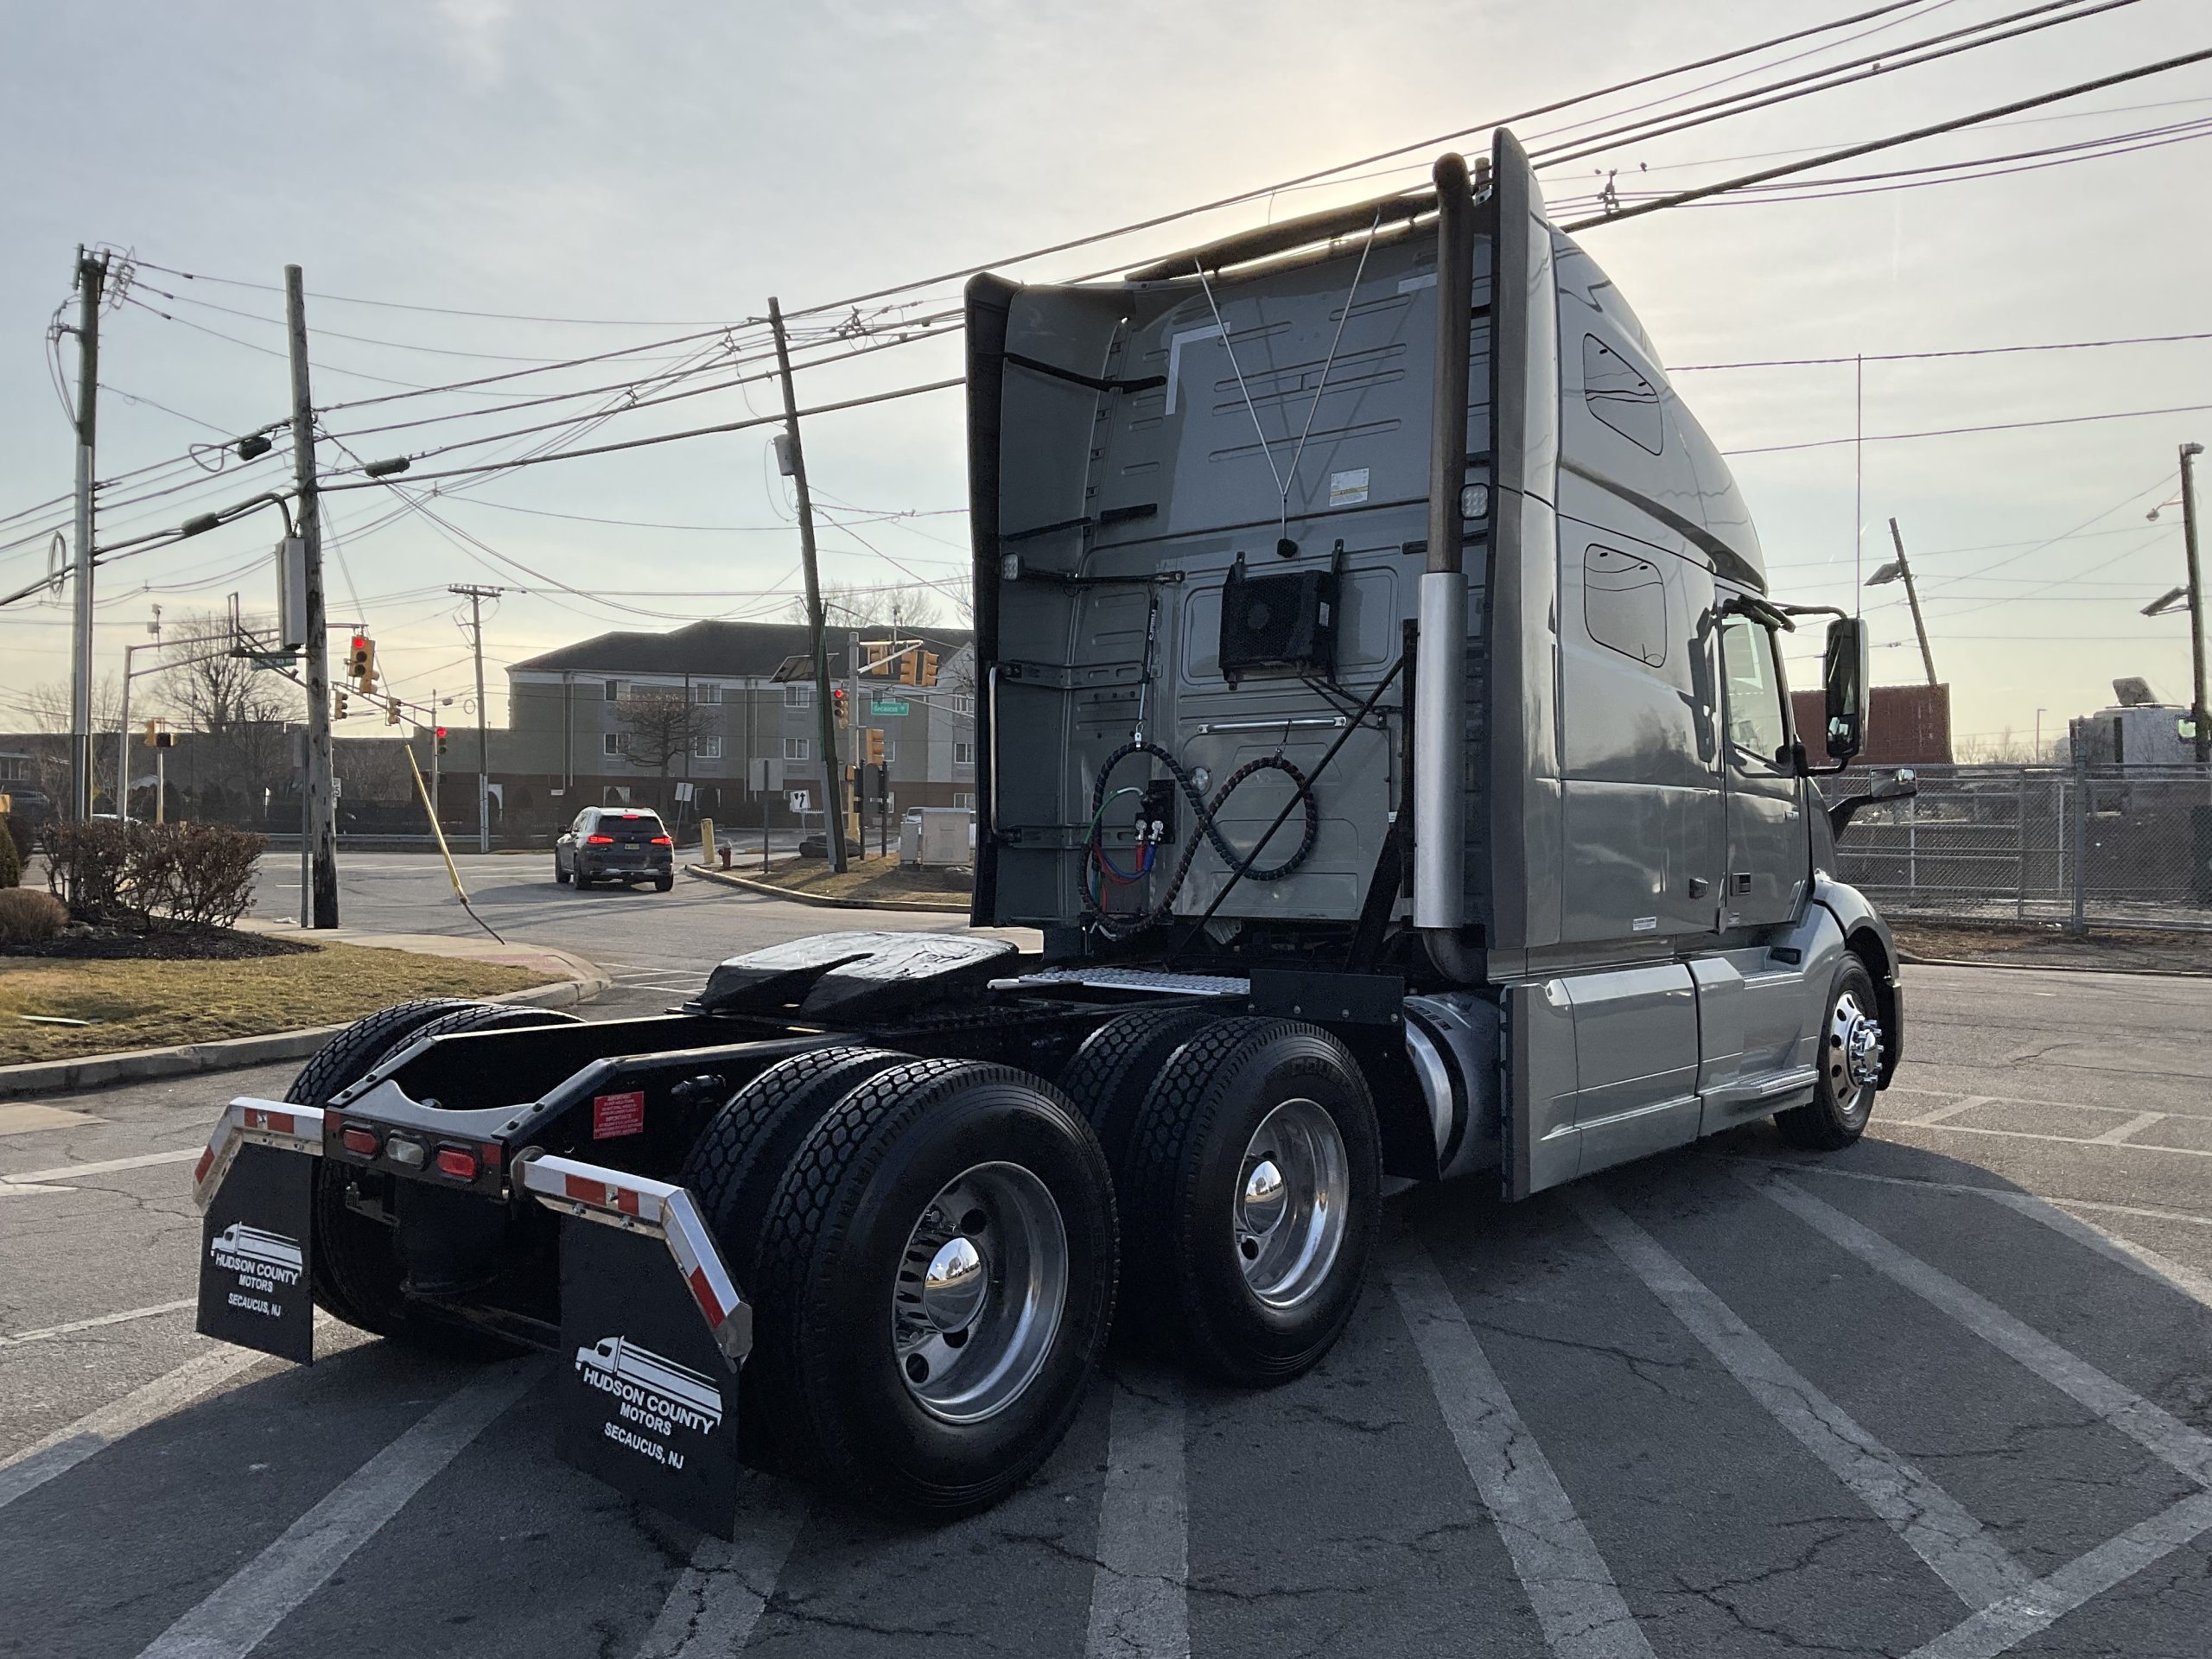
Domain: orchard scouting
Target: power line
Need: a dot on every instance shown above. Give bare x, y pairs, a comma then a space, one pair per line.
1913, 357
1683, 197
1961, 431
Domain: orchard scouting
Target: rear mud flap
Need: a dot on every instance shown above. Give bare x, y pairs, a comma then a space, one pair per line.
652, 1332
255, 1182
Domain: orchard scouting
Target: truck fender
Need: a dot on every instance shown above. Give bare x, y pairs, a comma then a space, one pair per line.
1867, 936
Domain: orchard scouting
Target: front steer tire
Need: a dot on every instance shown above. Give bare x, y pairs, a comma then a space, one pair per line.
1840, 1107
357, 1272
855, 1220
1238, 1301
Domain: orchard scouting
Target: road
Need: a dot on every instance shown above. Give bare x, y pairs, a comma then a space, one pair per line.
1948, 1394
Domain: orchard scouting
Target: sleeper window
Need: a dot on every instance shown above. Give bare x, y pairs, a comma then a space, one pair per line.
1625, 604
1620, 397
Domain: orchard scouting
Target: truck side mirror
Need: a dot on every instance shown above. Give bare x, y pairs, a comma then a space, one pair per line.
1845, 672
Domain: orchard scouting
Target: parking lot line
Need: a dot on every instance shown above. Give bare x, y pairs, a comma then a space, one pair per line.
2043, 1604
1567, 1581
94, 1323
717, 1599
2118, 1133
1929, 1519
67, 1448
1140, 1594
1963, 1104
233, 1620
43, 1179
2152, 1426
2061, 1139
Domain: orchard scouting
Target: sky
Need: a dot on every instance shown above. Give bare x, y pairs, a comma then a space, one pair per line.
653, 173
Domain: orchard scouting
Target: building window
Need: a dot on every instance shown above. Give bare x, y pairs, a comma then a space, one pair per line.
961, 703
964, 754
707, 748
707, 693
797, 694
890, 750
612, 690
797, 749
965, 797
15, 768
613, 743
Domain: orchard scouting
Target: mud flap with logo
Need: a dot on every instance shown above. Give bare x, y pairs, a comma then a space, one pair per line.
256, 1254
648, 1401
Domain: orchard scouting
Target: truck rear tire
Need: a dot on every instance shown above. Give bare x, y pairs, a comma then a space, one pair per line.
356, 1267
734, 1168
1850, 1063
1107, 1077
1251, 1197
935, 1283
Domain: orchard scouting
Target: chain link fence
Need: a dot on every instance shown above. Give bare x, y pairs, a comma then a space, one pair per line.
2111, 846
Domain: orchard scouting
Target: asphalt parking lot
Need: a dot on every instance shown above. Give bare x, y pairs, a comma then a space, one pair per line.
1947, 1395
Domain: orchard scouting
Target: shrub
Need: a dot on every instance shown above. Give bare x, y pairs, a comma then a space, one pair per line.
11, 855
196, 873
203, 872
29, 916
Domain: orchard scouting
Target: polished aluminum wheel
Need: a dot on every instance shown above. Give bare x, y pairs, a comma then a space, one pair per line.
980, 1290
1294, 1199
1853, 1060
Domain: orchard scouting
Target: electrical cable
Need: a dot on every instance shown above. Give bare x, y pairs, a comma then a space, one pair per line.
1962, 431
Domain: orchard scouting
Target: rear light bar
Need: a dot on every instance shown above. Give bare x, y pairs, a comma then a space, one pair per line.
247, 1121
638, 1204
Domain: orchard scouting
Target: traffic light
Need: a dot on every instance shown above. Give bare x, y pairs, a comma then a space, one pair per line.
929, 667
440, 747
875, 745
876, 651
357, 658
337, 705
844, 713
909, 666
391, 711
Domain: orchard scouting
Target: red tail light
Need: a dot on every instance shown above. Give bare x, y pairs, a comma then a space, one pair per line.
663, 840
458, 1162
359, 1142
599, 841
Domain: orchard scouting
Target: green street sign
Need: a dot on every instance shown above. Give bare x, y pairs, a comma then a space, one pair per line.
877, 706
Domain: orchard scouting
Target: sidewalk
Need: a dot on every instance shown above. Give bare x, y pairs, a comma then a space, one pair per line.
575, 981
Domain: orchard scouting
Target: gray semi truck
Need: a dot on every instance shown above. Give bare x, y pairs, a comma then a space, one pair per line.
1382, 721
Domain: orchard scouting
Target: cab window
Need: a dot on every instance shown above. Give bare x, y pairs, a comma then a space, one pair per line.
1756, 724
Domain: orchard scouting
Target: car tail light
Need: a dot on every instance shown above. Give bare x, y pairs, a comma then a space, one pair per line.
664, 841
404, 1152
458, 1162
599, 841
359, 1142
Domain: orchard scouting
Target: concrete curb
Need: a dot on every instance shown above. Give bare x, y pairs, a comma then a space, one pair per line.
1911, 960
730, 879
234, 1053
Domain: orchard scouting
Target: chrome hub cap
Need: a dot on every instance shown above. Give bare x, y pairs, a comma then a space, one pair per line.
980, 1289
1293, 1200
1854, 1049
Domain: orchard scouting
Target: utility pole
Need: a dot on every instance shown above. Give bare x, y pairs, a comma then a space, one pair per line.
91, 284
2198, 717
833, 794
1912, 598
319, 817
476, 597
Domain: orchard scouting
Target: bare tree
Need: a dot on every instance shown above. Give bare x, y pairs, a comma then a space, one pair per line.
52, 711
242, 710
849, 605
660, 726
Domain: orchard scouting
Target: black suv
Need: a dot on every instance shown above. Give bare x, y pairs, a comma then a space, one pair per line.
615, 844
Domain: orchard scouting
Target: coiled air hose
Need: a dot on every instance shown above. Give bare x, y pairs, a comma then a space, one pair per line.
1204, 812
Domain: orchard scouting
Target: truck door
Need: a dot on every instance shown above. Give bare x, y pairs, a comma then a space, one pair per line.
1768, 852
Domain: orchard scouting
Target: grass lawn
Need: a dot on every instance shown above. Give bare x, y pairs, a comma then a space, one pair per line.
152, 1004
879, 880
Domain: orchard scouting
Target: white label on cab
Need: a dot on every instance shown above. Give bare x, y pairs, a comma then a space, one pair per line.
1348, 489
